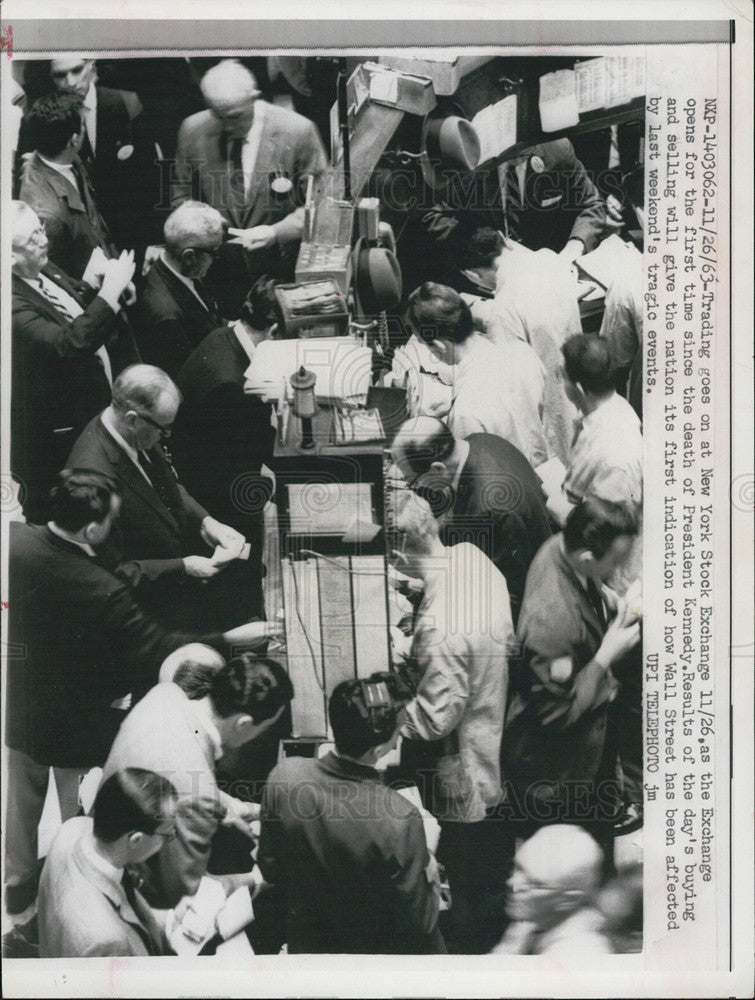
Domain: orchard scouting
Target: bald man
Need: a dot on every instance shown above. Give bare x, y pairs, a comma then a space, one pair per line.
250, 160
550, 896
483, 489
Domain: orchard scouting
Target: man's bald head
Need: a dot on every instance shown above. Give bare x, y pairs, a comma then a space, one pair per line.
420, 443
564, 856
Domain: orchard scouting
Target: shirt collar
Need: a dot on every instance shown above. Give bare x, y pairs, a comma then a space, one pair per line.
90, 101
96, 860
189, 282
244, 339
109, 424
72, 541
596, 416
66, 169
202, 713
259, 117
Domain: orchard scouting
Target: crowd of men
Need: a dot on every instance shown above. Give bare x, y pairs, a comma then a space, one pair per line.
138, 633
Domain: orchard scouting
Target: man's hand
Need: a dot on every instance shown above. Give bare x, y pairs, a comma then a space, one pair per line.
572, 250
256, 238
215, 533
200, 567
116, 279
251, 634
614, 212
95, 269
151, 254
621, 636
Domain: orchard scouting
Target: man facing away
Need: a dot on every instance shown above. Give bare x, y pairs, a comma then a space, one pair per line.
351, 852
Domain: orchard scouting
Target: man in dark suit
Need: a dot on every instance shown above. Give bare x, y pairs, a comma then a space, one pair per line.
117, 151
483, 489
549, 201
54, 182
250, 160
350, 852
559, 749
165, 538
223, 436
88, 904
175, 311
69, 341
77, 640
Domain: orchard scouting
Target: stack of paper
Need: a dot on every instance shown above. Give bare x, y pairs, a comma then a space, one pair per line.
558, 100
495, 126
341, 365
608, 82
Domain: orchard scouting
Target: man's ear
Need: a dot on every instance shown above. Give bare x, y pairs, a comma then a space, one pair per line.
134, 839
243, 722
438, 467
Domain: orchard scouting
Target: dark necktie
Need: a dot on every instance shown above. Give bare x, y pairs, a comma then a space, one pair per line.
597, 602
86, 153
158, 476
235, 169
130, 892
513, 207
209, 302
93, 214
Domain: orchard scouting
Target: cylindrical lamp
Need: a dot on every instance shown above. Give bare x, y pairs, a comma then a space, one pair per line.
304, 405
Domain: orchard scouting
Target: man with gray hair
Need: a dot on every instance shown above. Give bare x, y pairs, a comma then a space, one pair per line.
188, 568
250, 160
176, 312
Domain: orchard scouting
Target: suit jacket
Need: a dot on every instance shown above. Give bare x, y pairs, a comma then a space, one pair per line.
58, 381
77, 641
223, 435
74, 226
560, 201
148, 531
171, 321
499, 506
560, 633
289, 144
124, 169
352, 856
161, 734
83, 911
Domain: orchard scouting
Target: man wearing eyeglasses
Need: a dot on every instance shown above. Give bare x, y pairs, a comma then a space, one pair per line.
88, 904
183, 562
70, 339
176, 311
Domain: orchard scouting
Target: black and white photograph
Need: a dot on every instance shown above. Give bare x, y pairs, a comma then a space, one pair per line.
352, 605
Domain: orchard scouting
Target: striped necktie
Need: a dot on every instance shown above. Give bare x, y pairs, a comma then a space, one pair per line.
513, 206
48, 290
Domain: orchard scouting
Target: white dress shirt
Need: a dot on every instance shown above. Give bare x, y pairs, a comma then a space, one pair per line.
90, 116
251, 147
189, 282
52, 291
501, 391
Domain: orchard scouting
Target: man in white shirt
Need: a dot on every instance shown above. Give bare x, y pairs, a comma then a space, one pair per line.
494, 390
606, 455
251, 161
452, 733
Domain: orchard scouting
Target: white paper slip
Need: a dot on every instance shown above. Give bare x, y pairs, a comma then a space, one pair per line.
551, 474
625, 79
495, 126
384, 87
558, 100
609, 259
591, 84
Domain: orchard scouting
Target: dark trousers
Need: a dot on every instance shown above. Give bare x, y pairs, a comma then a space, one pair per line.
477, 858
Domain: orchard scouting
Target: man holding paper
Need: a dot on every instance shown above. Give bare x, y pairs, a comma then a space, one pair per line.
183, 563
